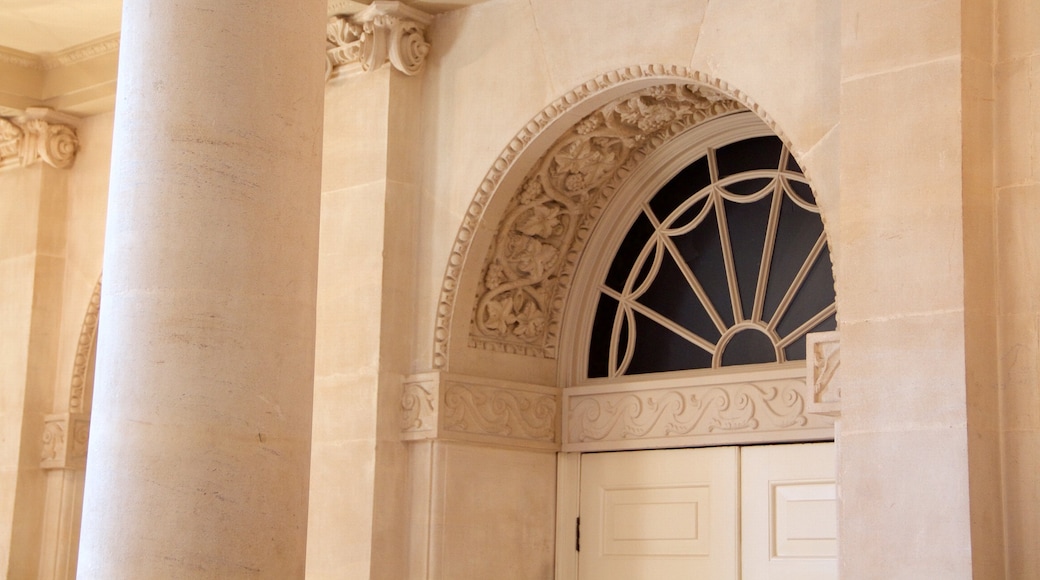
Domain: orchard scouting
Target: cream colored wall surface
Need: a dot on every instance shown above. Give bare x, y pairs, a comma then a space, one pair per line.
1018, 213
19, 219
491, 513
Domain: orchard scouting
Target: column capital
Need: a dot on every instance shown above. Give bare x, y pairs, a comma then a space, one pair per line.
383, 32
65, 441
38, 134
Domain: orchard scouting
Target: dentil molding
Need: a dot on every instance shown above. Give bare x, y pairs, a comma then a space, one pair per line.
38, 135
445, 406
383, 32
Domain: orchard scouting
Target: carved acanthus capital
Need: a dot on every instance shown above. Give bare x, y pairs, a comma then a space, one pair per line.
445, 406
823, 362
39, 134
382, 32
65, 441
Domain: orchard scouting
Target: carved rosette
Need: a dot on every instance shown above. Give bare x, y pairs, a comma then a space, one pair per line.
527, 273
675, 413
454, 407
65, 441
383, 32
823, 365
38, 135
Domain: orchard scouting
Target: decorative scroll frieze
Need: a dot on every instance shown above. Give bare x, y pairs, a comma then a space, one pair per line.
383, 32
823, 365
39, 134
448, 406
65, 441
694, 411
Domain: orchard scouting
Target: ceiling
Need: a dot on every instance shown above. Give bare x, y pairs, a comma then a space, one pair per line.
48, 26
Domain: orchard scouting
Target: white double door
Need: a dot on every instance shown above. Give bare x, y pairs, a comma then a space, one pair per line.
753, 513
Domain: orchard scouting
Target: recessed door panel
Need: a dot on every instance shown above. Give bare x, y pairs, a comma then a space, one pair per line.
789, 516
659, 515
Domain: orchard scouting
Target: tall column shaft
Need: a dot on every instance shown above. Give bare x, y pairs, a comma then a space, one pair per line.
200, 437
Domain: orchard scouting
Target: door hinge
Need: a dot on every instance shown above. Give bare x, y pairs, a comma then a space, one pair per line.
577, 534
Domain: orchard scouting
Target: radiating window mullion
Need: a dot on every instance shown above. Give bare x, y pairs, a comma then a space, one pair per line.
664, 321
796, 284
727, 250
808, 325
767, 250
684, 268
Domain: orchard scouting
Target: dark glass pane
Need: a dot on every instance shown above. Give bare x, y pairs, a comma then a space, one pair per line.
599, 343
689, 215
747, 234
702, 250
797, 232
683, 186
748, 347
748, 186
796, 350
659, 349
792, 165
754, 153
625, 258
671, 296
803, 191
815, 294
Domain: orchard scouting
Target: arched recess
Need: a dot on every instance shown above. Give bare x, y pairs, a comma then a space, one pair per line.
511, 269
510, 308
64, 454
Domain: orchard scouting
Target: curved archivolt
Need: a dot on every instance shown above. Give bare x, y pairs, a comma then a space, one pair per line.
727, 264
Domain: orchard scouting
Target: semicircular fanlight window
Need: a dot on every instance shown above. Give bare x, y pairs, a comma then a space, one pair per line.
727, 264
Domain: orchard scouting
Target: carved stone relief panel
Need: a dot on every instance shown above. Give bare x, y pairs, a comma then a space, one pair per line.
823, 365
696, 410
536, 248
38, 135
383, 32
65, 441
439, 405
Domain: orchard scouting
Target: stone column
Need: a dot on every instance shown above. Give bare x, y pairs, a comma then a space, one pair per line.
200, 437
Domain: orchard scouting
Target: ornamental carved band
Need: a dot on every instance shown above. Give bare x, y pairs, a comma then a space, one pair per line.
37, 135
65, 441
446, 406
544, 229
765, 406
384, 31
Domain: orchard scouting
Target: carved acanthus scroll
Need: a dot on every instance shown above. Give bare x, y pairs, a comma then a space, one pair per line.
446, 406
37, 135
65, 441
543, 231
823, 365
382, 32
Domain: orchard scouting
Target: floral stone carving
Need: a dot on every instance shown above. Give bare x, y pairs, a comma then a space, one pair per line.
697, 413
545, 225
823, 366
384, 31
65, 441
38, 135
447, 406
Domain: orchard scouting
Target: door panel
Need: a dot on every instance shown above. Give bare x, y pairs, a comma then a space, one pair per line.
789, 519
659, 515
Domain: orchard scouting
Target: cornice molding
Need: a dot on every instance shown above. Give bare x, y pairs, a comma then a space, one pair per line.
39, 134
20, 58
445, 406
81, 52
383, 32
